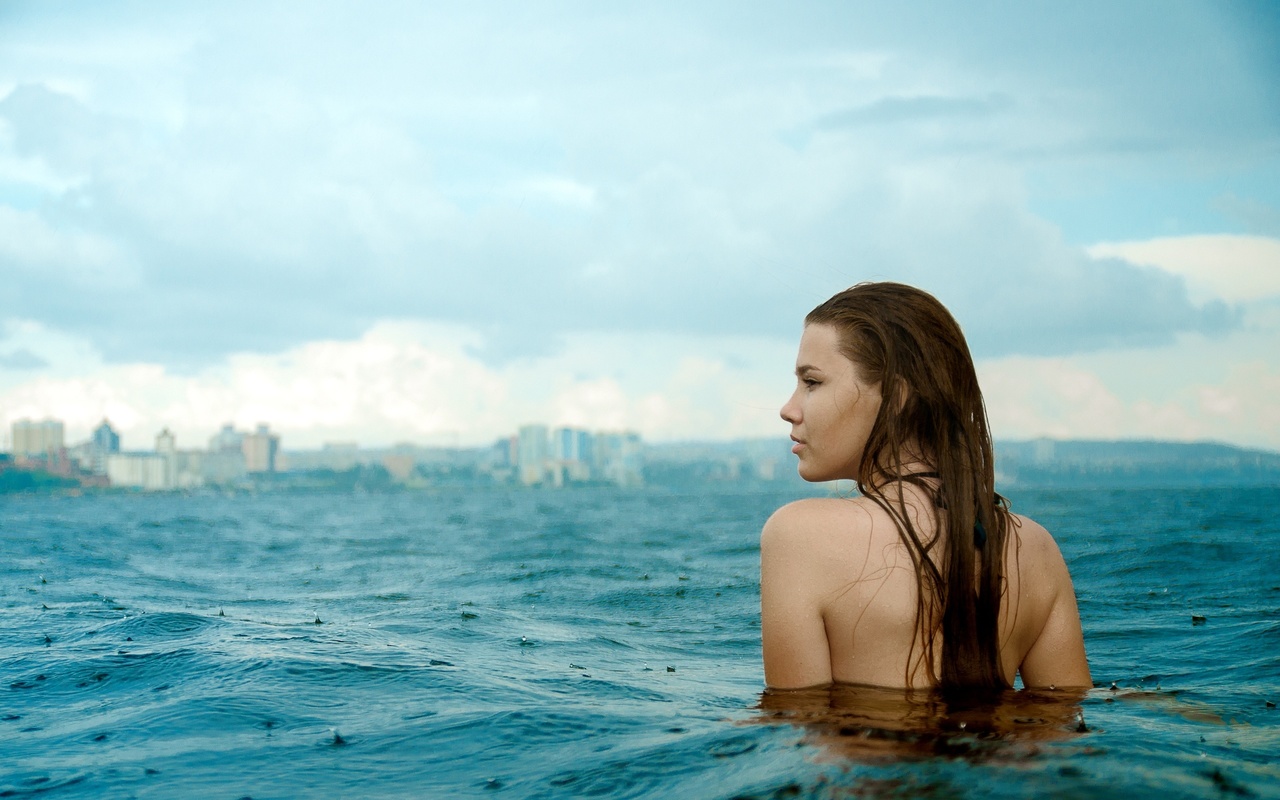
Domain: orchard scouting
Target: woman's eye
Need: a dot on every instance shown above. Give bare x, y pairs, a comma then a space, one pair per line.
810, 382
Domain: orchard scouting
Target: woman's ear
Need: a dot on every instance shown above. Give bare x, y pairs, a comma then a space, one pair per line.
902, 391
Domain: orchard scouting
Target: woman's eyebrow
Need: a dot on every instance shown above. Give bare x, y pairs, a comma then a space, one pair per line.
804, 369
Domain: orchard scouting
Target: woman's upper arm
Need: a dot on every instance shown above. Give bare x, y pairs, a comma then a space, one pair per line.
1057, 656
794, 636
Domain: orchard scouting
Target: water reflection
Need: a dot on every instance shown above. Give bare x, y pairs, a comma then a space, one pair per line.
872, 723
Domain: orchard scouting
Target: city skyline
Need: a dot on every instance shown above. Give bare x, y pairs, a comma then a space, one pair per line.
533, 455
617, 217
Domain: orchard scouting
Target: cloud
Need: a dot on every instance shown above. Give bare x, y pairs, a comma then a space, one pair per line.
1232, 268
22, 359
890, 110
1029, 398
1065, 398
216, 188
405, 381
1256, 216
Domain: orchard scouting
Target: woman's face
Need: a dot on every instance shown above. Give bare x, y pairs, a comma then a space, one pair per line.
831, 411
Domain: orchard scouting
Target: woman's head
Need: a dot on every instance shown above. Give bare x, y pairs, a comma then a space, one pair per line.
832, 410
905, 343
909, 411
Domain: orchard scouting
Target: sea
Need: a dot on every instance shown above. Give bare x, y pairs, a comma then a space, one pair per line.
591, 642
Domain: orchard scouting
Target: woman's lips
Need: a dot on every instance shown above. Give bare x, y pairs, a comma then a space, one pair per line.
795, 448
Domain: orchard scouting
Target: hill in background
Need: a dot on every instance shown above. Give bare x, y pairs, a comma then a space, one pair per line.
1034, 463
1132, 463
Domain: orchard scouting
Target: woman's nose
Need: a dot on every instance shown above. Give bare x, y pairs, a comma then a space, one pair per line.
788, 412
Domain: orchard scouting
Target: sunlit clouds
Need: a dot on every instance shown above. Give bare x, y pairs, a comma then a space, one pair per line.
411, 222
417, 383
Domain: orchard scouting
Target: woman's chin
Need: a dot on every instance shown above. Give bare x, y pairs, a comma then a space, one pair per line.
812, 475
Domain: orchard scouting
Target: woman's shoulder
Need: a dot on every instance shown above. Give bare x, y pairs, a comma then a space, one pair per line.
817, 520
1036, 555
1033, 540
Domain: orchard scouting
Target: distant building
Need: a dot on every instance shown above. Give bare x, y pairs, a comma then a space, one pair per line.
224, 462
219, 467
38, 440
532, 454
167, 446
336, 456
147, 471
260, 449
619, 458
226, 440
504, 451
500, 460
165, 443
340, 456
571, 456
103, 443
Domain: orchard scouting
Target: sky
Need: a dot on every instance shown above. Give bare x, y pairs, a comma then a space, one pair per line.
434, 222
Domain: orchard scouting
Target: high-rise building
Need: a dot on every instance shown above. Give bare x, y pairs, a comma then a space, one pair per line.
570, 455
260, 449
166, 447
227, 440
532, 454
105, 438
37, 440
103, 443
165, 443
618, 457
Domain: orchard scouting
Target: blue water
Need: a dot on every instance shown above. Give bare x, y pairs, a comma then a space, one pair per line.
588, 643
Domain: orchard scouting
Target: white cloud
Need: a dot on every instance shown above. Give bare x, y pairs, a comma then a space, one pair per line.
414, 382
1108, 398
1028, 397
1227, 267
628, 167
626, 212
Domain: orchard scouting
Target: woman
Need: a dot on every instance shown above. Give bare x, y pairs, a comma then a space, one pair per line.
926, 579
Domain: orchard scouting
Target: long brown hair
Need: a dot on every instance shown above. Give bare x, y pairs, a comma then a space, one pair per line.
931, 412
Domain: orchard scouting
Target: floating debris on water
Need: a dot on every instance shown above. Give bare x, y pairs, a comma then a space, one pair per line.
1196, 619
1224, 783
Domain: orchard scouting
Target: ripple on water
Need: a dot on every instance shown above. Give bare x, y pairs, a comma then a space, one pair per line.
445, 677
35, 783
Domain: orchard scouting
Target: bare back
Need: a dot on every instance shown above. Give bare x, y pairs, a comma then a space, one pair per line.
838, 601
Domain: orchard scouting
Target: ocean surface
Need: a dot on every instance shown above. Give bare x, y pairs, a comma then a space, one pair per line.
590, 643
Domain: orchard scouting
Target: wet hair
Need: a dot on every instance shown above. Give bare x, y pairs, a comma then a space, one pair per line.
932, 413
